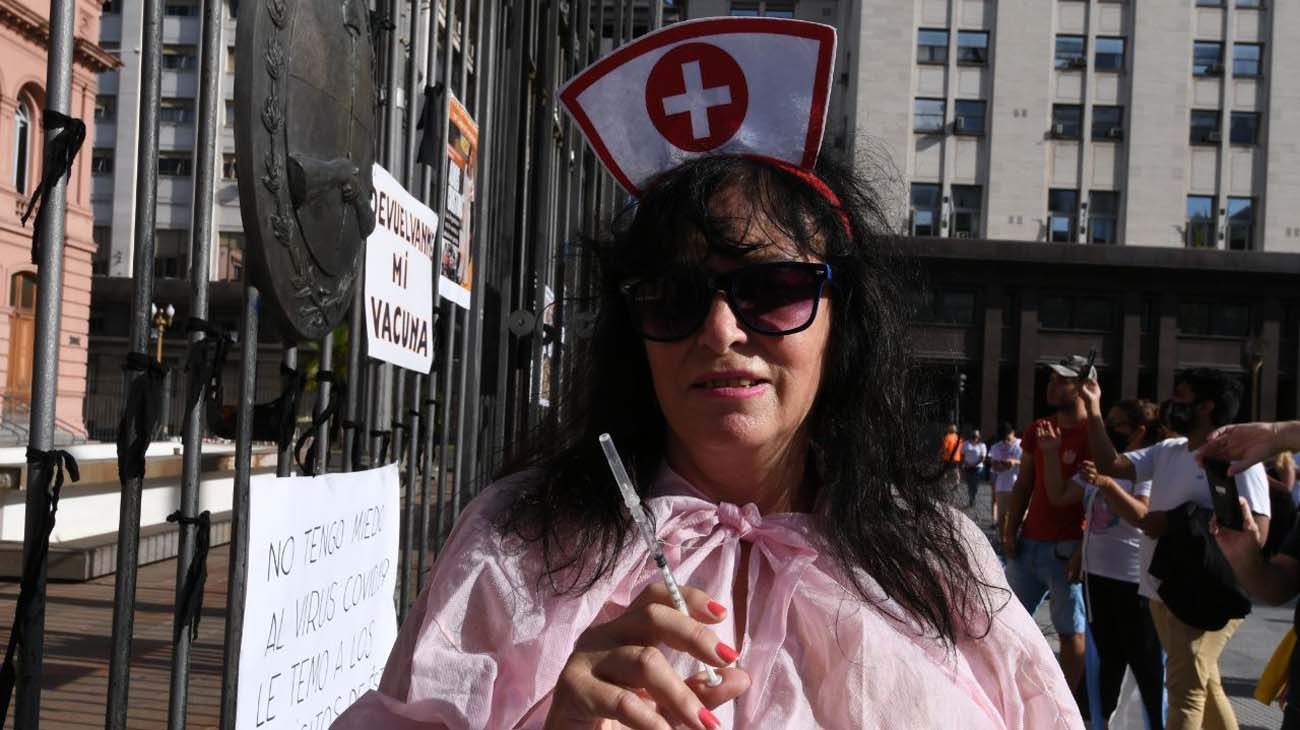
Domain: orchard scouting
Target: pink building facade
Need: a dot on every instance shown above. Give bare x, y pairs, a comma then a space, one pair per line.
24, 38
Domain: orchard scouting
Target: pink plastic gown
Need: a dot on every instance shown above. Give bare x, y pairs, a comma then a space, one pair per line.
482, 649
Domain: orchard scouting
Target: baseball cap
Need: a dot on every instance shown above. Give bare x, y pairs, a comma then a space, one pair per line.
1074, 366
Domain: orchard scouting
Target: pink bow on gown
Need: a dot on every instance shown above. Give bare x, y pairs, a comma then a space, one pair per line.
482, 648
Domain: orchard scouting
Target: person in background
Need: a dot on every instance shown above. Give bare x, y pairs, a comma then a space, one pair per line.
1119, 619
1039, 539
1004, 462
973, 454
1274, 580
1203, 400
950, 456
1281, 490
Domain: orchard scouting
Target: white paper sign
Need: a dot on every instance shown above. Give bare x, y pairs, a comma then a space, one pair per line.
399, 277
319, 619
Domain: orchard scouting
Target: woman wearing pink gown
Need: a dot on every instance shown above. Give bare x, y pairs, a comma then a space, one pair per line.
750, 361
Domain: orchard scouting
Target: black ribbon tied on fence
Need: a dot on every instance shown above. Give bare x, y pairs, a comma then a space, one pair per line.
190, 608
385, 440
140, 415
358, 448
64, 135
430, 130
338, 394
44, 467
206, 360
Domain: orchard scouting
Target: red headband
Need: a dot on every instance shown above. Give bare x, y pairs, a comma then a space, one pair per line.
816, 183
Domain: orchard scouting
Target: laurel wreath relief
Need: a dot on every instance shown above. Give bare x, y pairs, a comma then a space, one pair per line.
314, 299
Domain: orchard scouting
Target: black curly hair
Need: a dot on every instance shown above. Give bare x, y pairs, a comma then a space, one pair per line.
879, 504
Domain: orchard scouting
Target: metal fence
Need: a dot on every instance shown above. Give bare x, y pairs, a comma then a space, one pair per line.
540, 195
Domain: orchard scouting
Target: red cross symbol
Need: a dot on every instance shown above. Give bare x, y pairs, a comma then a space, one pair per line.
696, 96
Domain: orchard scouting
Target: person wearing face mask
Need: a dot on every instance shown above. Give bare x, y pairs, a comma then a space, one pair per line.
1203, 400
1038, 538
1119, 619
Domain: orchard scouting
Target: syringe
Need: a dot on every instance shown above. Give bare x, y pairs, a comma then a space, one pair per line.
633, 504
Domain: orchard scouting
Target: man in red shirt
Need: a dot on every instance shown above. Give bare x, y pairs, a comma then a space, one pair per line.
1039, 543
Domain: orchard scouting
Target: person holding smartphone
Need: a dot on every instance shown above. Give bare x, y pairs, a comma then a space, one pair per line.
1275, 579
1203, 400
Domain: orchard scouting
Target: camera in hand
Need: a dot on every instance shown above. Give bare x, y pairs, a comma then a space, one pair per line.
1223, 492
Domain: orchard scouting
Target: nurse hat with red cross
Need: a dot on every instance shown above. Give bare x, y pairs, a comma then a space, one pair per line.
729, 86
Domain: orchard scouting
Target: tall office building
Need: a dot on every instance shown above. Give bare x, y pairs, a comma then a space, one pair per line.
1081, 174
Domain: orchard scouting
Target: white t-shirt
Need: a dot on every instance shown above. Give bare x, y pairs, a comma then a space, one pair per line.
1111, 546
973, 454
1176, 478
1004, 481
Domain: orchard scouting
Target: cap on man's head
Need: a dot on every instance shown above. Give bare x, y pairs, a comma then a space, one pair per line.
1074, 366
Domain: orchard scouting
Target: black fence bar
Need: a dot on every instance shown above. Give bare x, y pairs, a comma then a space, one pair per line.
45, 370
284, 458
146, 192
201, 232
237, 580
320, 444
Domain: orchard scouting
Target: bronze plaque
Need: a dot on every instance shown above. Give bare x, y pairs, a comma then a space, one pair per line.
304, 143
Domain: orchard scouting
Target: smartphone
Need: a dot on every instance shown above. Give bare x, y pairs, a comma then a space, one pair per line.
1223, 492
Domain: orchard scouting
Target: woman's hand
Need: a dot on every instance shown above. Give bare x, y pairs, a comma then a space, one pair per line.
1088, 470
617, 672
1049, 437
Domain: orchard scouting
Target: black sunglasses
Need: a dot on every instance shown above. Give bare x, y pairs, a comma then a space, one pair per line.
772, 298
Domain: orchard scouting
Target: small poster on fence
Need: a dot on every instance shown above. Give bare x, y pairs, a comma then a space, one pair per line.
319, 619
457, 267
399, 277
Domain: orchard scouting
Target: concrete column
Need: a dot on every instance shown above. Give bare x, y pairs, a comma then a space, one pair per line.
1027, 358
1167, 352
1270, 334
1131, 345
990, 370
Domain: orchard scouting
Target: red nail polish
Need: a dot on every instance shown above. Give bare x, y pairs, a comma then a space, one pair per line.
708, 719
727, 653
717, 609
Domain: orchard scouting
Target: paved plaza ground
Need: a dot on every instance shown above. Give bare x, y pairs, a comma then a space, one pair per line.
79, 625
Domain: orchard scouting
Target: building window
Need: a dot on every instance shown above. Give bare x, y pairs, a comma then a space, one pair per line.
230, 114
1109, 54
1246, 59
229, 170
766, 8
947, 306
1214, 319
105, 108
925, 209
1062, 215
179, 58
1245, 128
1107, 123
1209, 3
230, 256
22, 146
101, 161
1070, 52
1067, 121
111, 7
1103, 217
1205, 127
174, 164
230, 59
966, 203
1207, 58
1089, 314
972, 47
1200, 221
176, 111
1241, 224
1249, 4
171, 254
180, 10
929, 116
931, 46
969, 117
